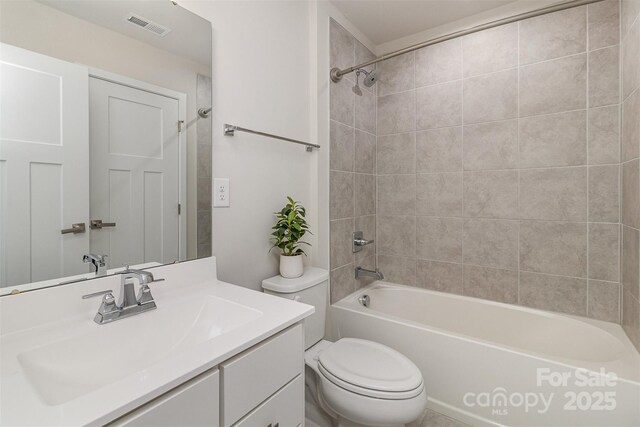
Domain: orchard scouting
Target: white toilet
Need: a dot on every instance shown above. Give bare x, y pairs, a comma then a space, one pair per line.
354, 381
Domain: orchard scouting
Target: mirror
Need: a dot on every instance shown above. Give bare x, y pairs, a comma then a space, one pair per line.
102, 149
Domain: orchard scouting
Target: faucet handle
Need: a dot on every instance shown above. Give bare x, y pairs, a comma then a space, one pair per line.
97, 294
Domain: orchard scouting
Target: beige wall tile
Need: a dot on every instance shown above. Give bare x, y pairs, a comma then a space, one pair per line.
341, 150
491, 283
491, 97
491, 145
397, 153
631, 318
563, 294
366, 224
439, 105
365, 152
439, 239
631, 60
553, 86
604, 24
365, 112
342, 282
604, 135
341, 102
398, 269
553, 140
553, 35
439, 194
604, 194
491, 243
631, 260
439, 63
439, 150
631, 194
396, 113
364, 194
341, 46
396, 74
341, 194
631, 126
629, 11
491, 194
554, 194
397, 194
604, 76
554, 247
396, 235
490, 50
604, 301
341, 236
604, 244
439, 276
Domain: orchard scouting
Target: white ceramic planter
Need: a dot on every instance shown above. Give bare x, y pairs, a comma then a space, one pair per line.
291, 266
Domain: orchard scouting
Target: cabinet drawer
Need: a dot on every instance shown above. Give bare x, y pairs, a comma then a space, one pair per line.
252, 376
284, 409
194, 403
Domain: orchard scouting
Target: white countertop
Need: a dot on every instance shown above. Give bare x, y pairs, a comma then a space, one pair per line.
41, 322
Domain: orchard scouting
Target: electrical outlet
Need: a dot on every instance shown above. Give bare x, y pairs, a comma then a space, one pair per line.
221, 192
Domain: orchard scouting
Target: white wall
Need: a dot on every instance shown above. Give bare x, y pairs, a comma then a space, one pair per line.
39, 28
261, 80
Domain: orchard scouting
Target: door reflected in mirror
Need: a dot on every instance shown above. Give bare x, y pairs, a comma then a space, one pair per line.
104, 161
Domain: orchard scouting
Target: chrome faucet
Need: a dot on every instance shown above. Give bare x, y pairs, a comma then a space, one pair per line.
359, 242
362, 272
128, 303
99, 263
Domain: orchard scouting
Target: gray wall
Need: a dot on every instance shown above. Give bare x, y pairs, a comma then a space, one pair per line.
352, 136
630, 168
203, 164
498, 164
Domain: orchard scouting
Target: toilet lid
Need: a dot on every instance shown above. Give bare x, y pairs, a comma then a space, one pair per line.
372, 366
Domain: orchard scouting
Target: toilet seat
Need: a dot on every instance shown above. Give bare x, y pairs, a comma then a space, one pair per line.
370, 369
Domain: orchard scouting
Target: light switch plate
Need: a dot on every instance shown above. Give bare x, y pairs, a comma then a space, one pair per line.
221, 192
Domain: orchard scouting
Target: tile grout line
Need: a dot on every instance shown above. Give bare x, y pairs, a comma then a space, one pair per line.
587, 149
519, 165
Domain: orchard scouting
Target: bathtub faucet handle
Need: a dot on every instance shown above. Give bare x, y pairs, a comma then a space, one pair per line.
359, 241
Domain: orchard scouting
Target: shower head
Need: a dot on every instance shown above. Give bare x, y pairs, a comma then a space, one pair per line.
371, 78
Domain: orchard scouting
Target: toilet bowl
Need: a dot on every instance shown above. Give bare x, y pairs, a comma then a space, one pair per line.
355, 382
361, 382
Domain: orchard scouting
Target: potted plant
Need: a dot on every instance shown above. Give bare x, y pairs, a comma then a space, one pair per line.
287, 232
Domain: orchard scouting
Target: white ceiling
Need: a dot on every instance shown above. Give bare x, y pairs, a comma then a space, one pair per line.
385, 20
190, 34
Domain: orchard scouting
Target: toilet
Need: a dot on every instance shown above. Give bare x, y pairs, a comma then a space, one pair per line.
351, 382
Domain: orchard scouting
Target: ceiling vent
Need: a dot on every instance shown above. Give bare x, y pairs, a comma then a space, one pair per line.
147, 24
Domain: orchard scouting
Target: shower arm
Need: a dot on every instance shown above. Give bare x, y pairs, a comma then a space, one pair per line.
336, 73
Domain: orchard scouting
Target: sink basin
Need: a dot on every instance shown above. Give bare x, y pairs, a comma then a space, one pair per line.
103, 354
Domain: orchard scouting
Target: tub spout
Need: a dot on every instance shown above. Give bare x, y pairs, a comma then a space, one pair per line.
362, 272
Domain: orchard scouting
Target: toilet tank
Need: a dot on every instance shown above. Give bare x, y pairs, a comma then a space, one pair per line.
311, 288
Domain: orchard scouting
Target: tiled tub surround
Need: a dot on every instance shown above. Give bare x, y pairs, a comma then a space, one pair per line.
353, 165
630, 169
498, 165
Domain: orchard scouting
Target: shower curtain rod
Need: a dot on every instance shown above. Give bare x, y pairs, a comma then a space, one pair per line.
336, 73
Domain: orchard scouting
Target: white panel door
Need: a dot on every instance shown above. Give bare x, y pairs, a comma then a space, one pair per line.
135, 175
44, 166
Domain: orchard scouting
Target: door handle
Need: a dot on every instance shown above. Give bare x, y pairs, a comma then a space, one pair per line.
75, 228
97, 224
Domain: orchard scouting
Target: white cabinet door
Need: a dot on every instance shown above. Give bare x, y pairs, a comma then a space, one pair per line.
195, 403
44, 166
283, 409
135, 176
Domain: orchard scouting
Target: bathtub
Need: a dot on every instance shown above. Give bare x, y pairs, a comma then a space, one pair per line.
488, 363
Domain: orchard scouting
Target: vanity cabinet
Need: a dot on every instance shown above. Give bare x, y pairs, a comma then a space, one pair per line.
194, 403
262, 386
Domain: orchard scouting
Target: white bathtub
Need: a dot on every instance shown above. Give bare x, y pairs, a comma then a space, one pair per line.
488, 363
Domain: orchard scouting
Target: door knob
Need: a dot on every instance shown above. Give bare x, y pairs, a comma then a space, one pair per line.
97, 224
78, 227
